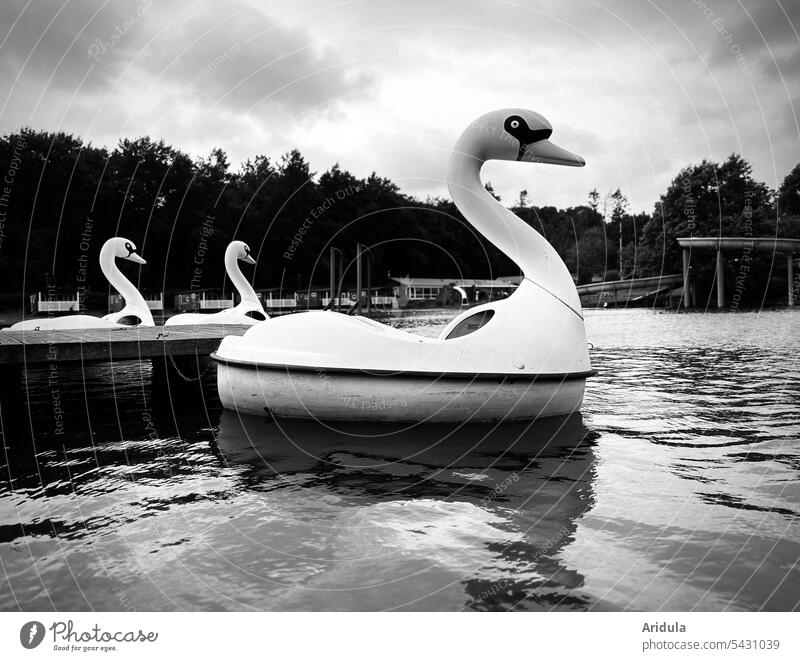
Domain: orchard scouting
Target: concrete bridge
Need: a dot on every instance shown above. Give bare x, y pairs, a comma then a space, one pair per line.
746, 245
626, 292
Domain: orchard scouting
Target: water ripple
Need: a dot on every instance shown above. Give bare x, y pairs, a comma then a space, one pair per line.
678, 489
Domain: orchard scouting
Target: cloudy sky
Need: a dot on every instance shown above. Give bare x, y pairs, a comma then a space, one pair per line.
638, 88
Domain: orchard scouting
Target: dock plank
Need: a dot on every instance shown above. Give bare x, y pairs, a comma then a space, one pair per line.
100, 344
9, 339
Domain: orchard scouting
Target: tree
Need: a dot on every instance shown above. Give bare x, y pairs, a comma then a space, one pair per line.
619, 206
592, 254
594, 199
619, 209
789, 193
68, 197
707, 199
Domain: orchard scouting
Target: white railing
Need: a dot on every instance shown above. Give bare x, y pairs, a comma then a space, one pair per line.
280, 303
59, 303
348, 302
154, 301
341, 302
216, 303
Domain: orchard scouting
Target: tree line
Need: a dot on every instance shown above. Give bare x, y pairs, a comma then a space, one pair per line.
62, 198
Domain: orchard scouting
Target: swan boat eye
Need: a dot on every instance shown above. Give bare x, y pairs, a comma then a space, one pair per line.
129, 248
518, 128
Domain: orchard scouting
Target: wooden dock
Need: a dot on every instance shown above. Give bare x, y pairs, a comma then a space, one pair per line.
18, 348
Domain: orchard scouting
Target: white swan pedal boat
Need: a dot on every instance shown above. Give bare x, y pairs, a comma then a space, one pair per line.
135, 311
515, 359
248, 312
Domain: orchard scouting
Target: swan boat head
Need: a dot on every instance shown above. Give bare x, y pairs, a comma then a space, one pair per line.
241, 251
135, 312
517, 358
121, 248
514, 134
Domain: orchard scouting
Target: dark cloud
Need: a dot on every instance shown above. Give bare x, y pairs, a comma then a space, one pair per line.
338, 79
706, 115
230, 54
786, 65
53, 41
764, 33
788, 120
236, 56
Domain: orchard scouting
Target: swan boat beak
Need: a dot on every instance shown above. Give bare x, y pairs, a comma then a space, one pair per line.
248, 259
544, 151
133, 257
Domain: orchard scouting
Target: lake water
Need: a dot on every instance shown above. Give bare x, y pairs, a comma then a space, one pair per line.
677, 489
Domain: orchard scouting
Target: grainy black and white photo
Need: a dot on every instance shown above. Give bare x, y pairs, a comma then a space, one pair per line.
370, 306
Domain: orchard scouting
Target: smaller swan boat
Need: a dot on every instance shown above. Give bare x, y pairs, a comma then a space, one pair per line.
134, 313
247, 313
519, 358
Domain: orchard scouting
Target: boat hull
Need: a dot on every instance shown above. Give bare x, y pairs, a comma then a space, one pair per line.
72, 322
362, 396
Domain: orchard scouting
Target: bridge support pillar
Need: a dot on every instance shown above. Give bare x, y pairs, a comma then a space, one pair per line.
358, 278
720, 279
687, 303
790, 274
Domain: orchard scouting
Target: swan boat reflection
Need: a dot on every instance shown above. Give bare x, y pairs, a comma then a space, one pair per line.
491, 507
